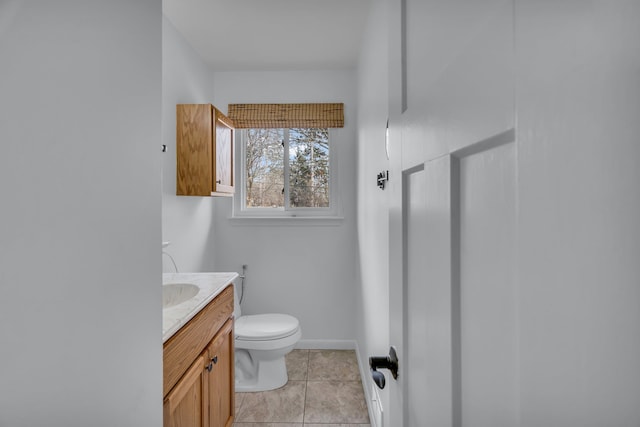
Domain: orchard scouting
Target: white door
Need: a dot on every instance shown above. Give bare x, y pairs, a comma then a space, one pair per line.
457, 338
519, 262
485, 291
414, 237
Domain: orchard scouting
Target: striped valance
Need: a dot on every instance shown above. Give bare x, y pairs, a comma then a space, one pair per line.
287, 115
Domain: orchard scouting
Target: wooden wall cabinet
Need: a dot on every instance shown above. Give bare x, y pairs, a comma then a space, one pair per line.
204, 151
198, 369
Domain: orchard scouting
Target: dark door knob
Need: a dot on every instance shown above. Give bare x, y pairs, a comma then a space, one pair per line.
389, 362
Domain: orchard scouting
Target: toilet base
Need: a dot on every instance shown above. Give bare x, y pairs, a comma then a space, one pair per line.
260, 365
261, 376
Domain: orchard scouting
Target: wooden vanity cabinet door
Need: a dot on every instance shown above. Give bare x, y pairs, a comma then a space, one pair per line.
186, 404
221, 378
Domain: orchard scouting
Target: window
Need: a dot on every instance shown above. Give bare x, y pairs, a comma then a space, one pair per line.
287, 163
286, 172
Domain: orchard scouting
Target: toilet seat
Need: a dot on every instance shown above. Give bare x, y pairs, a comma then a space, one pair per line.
265, 327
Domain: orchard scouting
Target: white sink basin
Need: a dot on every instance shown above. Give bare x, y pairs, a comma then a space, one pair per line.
177, 293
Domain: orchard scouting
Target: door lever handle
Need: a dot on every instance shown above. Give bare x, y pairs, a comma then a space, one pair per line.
389, 362
378, 378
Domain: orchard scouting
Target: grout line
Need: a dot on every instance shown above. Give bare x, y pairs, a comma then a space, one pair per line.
306, 386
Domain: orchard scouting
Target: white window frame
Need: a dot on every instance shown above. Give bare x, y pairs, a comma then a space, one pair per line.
240, 210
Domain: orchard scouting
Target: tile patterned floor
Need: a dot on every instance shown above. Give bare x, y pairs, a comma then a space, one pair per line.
324, 390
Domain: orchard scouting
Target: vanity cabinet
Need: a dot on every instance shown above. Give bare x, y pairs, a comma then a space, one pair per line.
198, 368
204, 151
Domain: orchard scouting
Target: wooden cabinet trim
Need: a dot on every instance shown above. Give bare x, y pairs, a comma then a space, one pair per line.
220, 337
182, 388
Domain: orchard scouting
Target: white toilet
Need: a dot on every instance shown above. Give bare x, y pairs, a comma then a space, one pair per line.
262, 341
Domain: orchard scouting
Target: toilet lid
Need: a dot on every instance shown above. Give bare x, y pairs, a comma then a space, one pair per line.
259, 327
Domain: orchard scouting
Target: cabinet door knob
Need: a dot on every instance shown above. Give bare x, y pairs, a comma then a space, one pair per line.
210, 367
219, 181
215, 359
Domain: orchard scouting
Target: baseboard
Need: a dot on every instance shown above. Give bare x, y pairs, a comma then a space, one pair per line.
375, 413
326, 345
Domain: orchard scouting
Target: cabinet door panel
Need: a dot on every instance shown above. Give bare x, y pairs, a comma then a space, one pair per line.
221, 378
194, 133
186, 403
223, 161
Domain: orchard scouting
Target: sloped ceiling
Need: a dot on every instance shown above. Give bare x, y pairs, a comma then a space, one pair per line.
250, 35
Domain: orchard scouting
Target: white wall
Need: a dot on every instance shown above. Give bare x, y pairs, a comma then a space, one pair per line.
80, 318
307, 271
372, 318
187, 222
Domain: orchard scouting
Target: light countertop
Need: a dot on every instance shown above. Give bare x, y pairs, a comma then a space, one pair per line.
210, 284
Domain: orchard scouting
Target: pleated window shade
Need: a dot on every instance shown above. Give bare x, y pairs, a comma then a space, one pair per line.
279, 116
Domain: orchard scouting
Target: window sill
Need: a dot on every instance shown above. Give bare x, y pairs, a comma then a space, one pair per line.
289, 221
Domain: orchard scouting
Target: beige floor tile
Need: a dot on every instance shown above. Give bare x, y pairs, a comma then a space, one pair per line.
268, 425
297, 365
339, 365
239, 399
335, 402
334, 425
284, 405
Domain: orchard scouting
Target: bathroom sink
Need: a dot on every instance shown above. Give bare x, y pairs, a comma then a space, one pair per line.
177, 293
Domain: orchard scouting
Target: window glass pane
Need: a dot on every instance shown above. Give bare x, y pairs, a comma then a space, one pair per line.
265, 168
309, 168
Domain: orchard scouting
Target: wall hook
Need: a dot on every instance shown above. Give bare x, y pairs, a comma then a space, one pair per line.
382, 179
